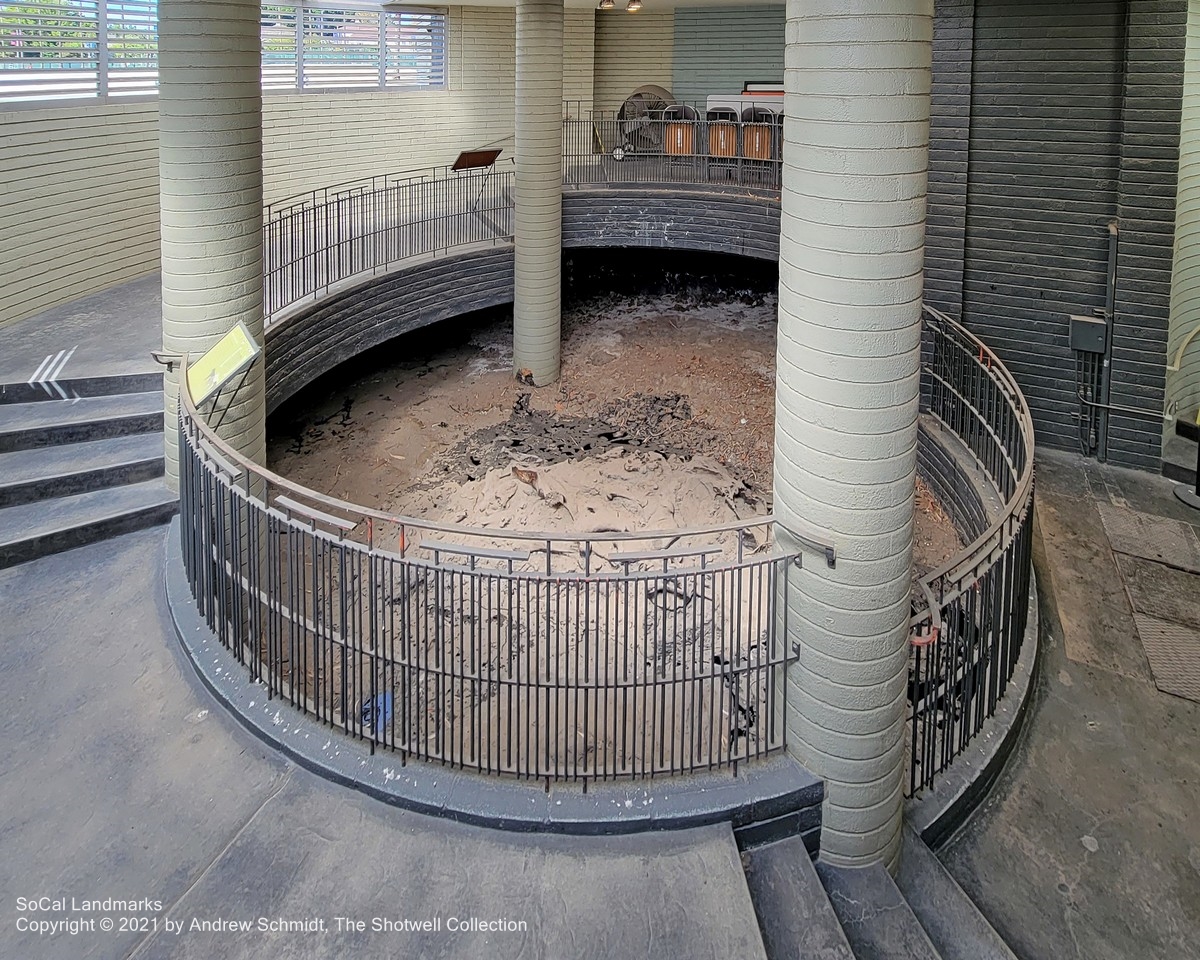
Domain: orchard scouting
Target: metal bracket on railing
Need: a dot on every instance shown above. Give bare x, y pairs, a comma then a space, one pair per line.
813, 541
168, 360
935, 616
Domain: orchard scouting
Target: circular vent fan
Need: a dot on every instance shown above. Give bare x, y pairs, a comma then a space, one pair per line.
640, 118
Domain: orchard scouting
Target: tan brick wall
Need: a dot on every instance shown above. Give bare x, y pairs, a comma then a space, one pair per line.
81, 182
631, 50
80, 208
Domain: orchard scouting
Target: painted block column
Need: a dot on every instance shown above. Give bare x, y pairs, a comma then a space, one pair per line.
857, 82
211, 197
537, 298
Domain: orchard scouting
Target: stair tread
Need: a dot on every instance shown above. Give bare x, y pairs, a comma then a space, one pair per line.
952, 921
29, 520
43, 463
794, 913
16, 417
111, 385
876, 918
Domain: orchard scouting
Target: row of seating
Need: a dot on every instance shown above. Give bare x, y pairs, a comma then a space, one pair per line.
755, 135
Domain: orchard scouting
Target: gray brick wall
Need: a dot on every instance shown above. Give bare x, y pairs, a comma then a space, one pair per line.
949, 135
1043, 166
744, 221
338, 328
717, 49
1154, 47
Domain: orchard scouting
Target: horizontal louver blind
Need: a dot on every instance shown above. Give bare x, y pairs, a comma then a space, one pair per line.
72, 49
341, 48
49, 50
416, 49
132, 44
279, 38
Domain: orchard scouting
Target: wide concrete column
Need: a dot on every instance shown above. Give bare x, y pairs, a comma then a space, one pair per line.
851, 248
210, 170
537, 298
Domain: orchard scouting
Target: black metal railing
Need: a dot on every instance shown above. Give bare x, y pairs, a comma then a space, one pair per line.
321, 238
318, 239
541, 656
969, 617
971, 612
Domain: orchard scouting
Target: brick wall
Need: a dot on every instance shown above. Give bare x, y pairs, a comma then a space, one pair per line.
717, 49
1154, 45
1183, 387
81, 182
80, 209
1043, 170
631, 51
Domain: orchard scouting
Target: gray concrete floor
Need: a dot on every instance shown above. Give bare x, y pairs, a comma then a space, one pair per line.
120, 777
1089, 844
112, 331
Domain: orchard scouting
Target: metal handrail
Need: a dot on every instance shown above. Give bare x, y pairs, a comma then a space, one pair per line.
977, 554
315, 240
348, 229
969, 618
626, 664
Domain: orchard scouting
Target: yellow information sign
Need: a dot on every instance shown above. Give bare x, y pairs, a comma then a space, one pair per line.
228, 357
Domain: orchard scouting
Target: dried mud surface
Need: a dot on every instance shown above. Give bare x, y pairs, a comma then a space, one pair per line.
663, 418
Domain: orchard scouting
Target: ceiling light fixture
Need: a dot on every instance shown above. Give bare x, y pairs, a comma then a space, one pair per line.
633, 6
607, 4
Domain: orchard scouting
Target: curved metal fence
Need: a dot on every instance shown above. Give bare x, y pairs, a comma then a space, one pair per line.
316, 240
588, 657
971, 614
967, 625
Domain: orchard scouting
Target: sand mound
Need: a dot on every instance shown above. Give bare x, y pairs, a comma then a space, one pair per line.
625, 490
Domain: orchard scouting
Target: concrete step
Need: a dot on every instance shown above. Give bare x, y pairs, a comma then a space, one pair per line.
32, 530
952, 921
81, 387
1179, 460
27, 425
877, 920
794, 914
41, 473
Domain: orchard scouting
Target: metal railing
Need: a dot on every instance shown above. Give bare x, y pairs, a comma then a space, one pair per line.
324, 237
971, 613
969, 616
321, 238
581, 657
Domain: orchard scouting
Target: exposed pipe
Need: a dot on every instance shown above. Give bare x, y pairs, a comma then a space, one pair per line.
1131, 411
1110, 312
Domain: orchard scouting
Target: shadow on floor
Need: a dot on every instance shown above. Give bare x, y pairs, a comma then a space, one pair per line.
1089, 844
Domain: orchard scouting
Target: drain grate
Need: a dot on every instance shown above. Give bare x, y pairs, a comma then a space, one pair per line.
1174, 654
1152, 538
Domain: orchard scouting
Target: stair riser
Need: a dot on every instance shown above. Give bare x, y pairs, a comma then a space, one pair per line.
83, 387
1179, 473
23, 551
69, 484
49, 435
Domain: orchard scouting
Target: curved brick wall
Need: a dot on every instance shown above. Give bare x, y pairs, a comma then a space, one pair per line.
737, 220
338, 327
313, 340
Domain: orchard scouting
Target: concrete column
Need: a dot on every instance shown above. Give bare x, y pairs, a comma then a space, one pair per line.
857, 81
537, 299
210, 171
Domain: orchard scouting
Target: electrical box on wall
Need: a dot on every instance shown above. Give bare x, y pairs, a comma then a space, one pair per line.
1087, 334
